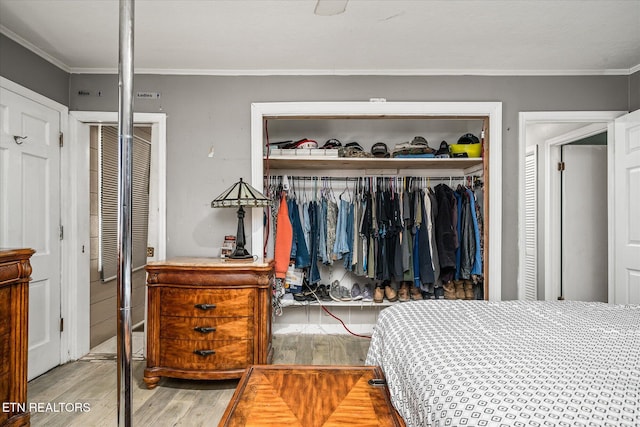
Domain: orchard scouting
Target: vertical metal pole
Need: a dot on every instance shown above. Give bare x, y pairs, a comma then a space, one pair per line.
125, 151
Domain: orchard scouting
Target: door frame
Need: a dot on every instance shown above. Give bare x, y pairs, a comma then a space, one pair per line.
594, 122
79, 236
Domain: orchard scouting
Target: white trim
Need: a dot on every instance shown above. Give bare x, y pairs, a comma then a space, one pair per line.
310, 109
611, 203
78, 149
363, 72
595, 122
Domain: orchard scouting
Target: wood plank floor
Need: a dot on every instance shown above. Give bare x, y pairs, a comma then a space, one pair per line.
174, 402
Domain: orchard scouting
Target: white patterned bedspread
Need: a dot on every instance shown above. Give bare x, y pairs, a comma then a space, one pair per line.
510, 363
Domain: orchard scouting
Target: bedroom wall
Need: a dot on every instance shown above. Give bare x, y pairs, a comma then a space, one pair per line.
205, 111
634, 91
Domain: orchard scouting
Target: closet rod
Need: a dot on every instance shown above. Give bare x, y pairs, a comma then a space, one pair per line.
347, 178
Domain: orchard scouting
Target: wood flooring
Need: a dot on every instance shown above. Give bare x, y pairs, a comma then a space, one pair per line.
174, 402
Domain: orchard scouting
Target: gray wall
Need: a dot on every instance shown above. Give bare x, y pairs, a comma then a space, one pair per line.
634, 91
205, 110
29, 70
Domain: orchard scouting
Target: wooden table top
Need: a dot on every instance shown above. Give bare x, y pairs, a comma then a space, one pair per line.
310, 396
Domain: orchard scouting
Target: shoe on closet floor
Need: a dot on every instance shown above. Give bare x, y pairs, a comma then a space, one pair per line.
356, 292
468, 289
334, 291
367, 296
378, 294
459, 289
416, 293
403, 292
390, 293
339, 293
449, 290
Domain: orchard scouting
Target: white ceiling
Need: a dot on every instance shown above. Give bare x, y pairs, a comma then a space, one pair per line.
386, 37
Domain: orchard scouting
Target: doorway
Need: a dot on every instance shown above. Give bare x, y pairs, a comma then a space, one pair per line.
79, 262
104, 212
583, 243
549, 131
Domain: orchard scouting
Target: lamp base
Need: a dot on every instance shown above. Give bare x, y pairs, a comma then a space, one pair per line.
240, 253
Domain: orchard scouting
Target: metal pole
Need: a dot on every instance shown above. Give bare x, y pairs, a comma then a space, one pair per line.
125, 152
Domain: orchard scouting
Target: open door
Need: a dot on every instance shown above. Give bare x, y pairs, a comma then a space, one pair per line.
625, 257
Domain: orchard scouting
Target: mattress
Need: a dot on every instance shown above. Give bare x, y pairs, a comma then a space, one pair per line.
510, 363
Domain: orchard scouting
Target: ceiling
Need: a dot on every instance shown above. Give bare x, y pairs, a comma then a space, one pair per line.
371, 37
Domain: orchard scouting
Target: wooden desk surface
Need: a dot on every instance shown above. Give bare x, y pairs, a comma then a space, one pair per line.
310, 396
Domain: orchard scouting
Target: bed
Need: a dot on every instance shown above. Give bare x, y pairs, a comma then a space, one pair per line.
510, 363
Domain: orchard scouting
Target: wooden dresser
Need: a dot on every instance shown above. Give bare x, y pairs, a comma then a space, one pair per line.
207, 318
15, 271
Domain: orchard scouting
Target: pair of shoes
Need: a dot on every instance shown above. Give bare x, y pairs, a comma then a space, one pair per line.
403, 292
366, 293
449, 290
390, 293
378, 294
416, 293
338, 292
356, 292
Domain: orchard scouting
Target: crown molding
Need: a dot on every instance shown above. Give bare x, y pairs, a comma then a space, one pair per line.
363, 72
33, 48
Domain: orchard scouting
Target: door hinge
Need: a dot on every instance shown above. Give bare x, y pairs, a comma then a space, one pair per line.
560, 166
61, 232
61, 324
61, 139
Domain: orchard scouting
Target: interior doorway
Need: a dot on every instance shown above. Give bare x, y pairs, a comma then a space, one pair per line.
103, 211
549, 131
584, 240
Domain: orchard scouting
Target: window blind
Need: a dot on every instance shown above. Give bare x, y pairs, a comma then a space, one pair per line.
109, 203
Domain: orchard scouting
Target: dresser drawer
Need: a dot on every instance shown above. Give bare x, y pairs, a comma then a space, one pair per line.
207, 302
226, 354
206, 328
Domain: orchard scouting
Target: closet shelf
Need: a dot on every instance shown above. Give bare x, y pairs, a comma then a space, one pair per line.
294, 162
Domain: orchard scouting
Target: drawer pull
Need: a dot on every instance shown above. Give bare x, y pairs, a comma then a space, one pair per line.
204, 353
205, 306
204, 329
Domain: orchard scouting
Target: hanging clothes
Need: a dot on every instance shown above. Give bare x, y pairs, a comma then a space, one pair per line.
284, 239
314, 212
423, 267
299, 251
445, 232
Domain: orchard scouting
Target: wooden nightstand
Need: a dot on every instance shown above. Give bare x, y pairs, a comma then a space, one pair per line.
207, 318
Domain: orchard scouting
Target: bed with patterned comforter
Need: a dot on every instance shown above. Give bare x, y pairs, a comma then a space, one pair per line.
510, 363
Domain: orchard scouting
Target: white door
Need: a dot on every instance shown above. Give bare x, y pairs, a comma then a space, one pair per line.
30, 214
584, 223
626, 205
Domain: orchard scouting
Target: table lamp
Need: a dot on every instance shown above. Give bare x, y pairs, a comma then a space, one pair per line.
240, 194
